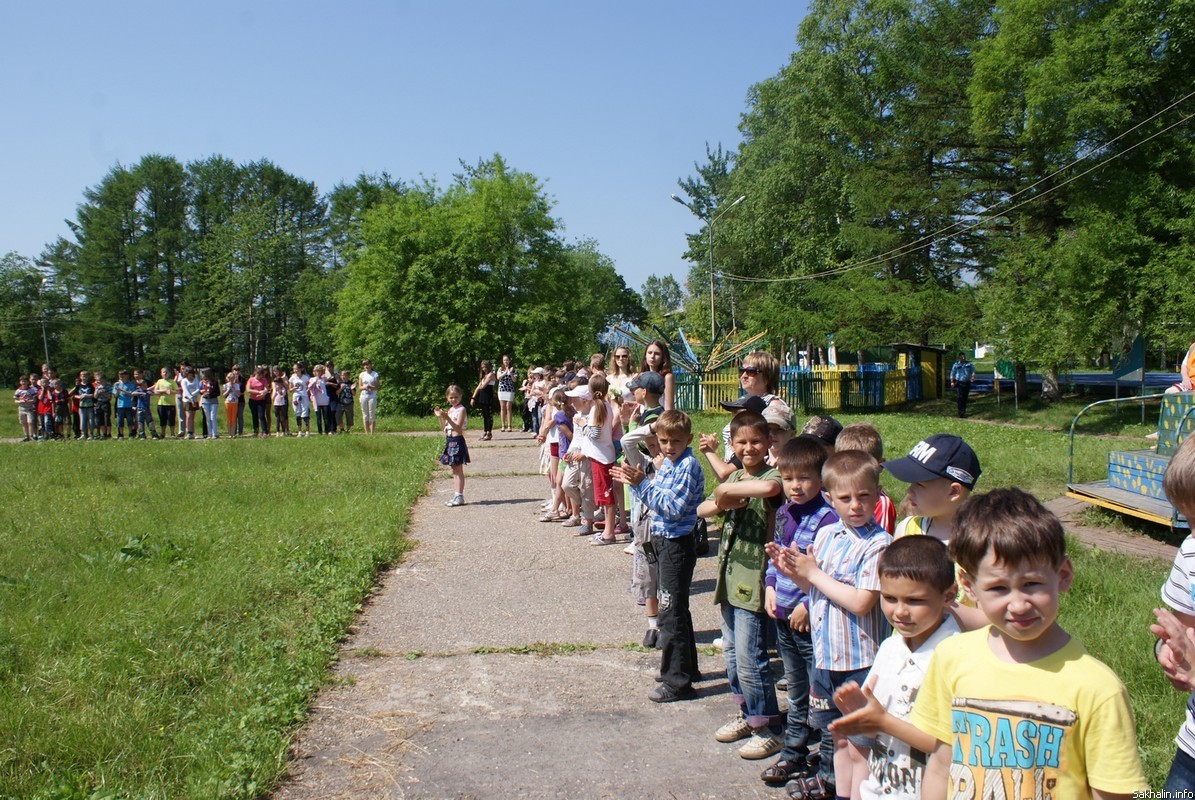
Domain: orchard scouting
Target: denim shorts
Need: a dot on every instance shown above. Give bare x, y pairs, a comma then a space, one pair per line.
822, 710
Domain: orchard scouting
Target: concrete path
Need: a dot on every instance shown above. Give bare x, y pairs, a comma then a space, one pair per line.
500, 659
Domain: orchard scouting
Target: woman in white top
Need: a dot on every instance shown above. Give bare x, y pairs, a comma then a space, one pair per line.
367, 385
189, 391
506, 394
620, 371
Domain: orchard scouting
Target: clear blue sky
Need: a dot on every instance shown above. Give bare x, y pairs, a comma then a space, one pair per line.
607, 103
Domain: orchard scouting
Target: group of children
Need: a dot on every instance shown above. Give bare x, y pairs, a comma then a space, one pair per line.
46, 409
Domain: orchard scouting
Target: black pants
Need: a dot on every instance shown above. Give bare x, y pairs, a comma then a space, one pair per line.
962, 389
166, 419
261, 423
678, 647
487, 416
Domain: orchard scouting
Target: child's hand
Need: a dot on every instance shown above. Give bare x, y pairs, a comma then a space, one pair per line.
625, 473
769, 602
709, 443
798, 620
728, 503
862, 713
1177, 652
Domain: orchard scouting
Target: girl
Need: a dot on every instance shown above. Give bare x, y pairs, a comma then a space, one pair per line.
299, 381
456, 452
278, 395
332, 387
45, 408
257, 389
209, 399
317, 390
597, 446
166, 390
188, 388
657, 359
232, 399
549, 439
103, 406
619, 373
85, 394
483, 397
344, 411
367, 389
506, 394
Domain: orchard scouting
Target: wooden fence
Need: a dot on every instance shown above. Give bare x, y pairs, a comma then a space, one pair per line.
874, 387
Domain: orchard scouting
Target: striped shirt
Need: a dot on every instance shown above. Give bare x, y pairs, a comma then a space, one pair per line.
796, 526
1179, 593
843, 641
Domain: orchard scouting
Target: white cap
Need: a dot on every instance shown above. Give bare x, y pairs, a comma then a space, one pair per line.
581, 391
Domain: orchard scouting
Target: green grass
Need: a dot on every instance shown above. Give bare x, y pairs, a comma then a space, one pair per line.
168, 609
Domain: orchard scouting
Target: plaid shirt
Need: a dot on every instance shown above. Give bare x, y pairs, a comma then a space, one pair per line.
673, 495
843, 641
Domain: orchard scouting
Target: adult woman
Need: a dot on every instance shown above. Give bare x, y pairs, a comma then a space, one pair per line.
258, 390
506, 394
620, 369
657, 359
483, 398
367, 386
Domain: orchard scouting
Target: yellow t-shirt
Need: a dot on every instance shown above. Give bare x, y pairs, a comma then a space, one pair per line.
914, 526
1054, 727
161, 387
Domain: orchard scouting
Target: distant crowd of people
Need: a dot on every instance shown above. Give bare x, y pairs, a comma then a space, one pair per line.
188, 399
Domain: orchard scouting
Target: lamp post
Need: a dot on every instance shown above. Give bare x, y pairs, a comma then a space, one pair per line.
45, 342
709, 225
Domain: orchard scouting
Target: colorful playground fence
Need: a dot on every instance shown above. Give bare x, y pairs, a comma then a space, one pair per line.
871, 387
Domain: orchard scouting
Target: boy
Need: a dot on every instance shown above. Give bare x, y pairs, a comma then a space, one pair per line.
798, 522
26, 399
124, 389
725, 465
145, 417
941, 471
672, 497
841, 575
864, 436
103, 406
1176, 651
822, 429
916, 585
748, 498
780, 423
639, 446
1019, 707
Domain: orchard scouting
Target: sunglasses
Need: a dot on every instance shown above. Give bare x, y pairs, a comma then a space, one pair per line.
622, 355
751, 370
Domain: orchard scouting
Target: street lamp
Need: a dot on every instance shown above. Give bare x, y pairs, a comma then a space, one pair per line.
709, 225
41, 302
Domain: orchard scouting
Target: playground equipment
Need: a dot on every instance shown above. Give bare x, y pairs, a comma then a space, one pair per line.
1134, 482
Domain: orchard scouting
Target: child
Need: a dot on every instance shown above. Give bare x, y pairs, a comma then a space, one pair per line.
61, 407
780, 423
1175, 647
367, 388
672, 496
125, 411
916, 585
549, 438
823, 430
317, 390
456, 452
841, 575
45, 408
864, 436
278, 388
145, 419
725, 465
1019, 707
595, 432
941, 471
188, 388
561, 509
344, 411
85, 396
166, 390
231, 390
748, 498
103, 406
25, 398
578, 478
299, 379
209, 399
798, 522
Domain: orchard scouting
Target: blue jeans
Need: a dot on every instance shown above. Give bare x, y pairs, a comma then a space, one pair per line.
744, 645
796, 651
1182, 773
210, 407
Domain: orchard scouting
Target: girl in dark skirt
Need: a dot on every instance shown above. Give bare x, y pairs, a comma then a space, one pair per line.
456, 452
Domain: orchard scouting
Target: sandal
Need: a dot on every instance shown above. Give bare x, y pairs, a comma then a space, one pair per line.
783, 771
811, 788
598, 540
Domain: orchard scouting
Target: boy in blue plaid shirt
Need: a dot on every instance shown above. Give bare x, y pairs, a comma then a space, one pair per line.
672, 496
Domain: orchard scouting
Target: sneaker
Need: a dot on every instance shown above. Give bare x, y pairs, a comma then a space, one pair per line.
585, 530
666, 694
734, 730
717, 643
457, 500
762, 744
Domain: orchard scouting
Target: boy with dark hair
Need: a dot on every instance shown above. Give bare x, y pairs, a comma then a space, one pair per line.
672, 495
748, 500
841, 575
1019, 707
798, 522
916, 585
